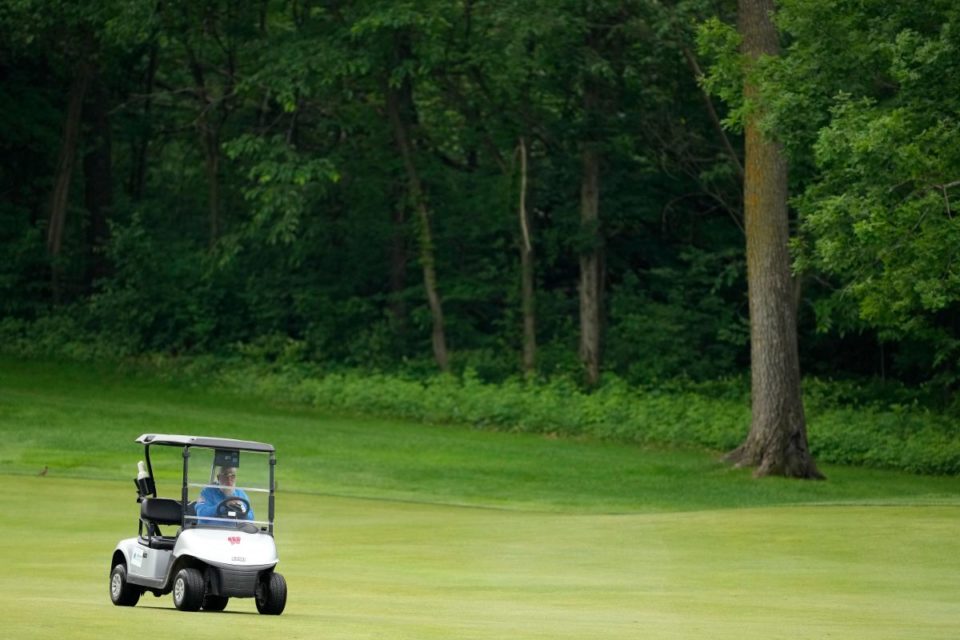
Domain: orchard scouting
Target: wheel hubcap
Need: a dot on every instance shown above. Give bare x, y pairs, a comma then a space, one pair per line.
115, 586
178, 591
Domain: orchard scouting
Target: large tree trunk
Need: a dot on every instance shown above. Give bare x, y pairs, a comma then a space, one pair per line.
528, 303
777, 442
399, 111
98, 174
65, 162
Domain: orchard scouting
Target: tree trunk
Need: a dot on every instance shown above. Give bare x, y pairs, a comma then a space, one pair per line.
98, 174
209, 125
591, 265
67, 156
399, 105
211, 147
591, 242
398, 267
141, 142
777, 442
528, 303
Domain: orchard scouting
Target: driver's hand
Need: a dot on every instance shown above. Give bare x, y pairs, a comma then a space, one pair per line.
235, 504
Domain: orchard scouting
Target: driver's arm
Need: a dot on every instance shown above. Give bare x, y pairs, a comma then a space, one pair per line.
207, 504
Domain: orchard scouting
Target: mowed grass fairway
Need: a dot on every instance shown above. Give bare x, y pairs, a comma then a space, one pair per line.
395, 530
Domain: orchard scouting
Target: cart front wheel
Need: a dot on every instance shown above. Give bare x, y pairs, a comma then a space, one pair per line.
188, 590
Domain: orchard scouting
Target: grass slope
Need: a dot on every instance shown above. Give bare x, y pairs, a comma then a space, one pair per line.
393, 530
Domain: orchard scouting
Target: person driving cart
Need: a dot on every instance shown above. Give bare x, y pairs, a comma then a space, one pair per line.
226, 500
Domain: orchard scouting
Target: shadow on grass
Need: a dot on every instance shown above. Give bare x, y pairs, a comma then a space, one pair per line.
209, 613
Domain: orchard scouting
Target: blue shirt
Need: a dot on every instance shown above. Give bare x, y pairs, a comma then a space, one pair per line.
211, 497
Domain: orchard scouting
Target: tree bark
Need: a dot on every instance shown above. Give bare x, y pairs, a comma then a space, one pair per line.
65, 162
591, 265
399, 104
528, 300
591, 242
777, 441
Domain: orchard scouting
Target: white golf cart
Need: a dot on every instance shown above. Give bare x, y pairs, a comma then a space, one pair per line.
223, 544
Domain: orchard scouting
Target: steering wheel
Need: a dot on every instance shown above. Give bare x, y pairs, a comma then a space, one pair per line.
238, 510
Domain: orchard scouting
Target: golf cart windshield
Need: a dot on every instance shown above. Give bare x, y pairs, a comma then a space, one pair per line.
228, 488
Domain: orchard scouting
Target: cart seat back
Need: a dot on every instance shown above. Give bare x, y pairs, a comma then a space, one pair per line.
160, 511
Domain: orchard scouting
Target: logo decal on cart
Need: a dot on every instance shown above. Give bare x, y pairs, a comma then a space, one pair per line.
234, 540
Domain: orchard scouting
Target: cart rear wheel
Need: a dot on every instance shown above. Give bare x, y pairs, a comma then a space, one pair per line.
215, 603
122, 593
271, 594
188, 590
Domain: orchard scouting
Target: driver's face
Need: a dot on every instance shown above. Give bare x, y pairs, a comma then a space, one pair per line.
227, 476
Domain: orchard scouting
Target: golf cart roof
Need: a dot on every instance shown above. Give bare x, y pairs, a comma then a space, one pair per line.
201, 441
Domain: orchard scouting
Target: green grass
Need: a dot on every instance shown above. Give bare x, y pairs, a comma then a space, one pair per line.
398, 530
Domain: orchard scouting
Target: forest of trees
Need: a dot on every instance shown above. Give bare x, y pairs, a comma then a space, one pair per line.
517, 187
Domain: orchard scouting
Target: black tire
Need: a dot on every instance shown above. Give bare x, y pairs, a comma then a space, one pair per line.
271, 594
215, 603
122, 593
188, 590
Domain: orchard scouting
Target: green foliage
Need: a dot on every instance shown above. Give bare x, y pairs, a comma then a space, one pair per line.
719, 43
64, 335
282, 184
903, 231
877, 215
272, 118
155, 302
858, 100
22, 292
276, 113
681, 321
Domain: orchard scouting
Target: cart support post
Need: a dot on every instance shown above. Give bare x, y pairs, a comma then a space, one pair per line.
273, 485
184, 492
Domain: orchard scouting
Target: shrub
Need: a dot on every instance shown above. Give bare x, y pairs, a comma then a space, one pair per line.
712, 415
